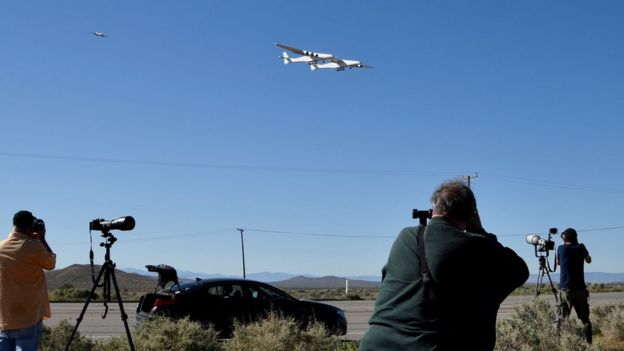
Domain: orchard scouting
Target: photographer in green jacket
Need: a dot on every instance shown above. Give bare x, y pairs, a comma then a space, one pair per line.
444, 294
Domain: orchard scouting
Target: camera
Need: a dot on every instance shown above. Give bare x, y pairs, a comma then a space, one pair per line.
121, 223
540, 244
38, 225
422, 215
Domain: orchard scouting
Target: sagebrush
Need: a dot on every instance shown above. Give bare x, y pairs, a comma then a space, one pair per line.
530, 328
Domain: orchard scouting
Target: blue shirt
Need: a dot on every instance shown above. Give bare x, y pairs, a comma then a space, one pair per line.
572, 261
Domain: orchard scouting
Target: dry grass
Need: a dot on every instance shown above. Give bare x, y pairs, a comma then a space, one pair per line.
335, 294
532, 328
162, 334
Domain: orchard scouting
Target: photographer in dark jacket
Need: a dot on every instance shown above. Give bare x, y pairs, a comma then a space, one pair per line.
571, 256
453, 304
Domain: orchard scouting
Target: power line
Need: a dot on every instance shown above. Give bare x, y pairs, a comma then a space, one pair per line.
322, 234
550, 184
320, 170
228, 166
161, 237
293, 233
394, 236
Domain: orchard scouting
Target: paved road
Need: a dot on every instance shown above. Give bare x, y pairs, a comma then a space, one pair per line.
358, 313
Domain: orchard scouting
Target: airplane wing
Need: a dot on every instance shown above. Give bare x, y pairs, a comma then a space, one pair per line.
333, 65
339, 64
316, 56
291, 49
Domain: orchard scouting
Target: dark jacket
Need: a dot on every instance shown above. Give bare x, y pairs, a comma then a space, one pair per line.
473, 274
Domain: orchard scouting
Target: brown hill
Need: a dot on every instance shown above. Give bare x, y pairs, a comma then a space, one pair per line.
79, 275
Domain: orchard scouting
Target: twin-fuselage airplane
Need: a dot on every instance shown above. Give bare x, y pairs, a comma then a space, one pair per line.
317, 60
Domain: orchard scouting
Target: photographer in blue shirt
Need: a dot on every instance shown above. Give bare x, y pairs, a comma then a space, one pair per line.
571, 256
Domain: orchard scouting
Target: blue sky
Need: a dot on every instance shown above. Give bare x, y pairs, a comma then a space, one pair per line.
185, 118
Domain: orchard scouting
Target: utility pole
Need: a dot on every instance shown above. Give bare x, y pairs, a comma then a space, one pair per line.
241, 230
470, 177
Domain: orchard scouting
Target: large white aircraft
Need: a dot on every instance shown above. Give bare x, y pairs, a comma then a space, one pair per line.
319, 60
99, 34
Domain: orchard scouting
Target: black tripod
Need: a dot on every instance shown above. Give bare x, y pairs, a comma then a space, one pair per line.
545, 270
107, 271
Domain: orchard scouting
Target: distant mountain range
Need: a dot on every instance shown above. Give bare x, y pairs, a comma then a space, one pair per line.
590, 277
143, 281
136, 280
267, 277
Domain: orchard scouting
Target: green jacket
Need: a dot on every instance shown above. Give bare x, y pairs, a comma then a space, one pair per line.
473, 274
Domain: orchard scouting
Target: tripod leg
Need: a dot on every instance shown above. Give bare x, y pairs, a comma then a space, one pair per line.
552, 287
538, 286
124, 316
84, 308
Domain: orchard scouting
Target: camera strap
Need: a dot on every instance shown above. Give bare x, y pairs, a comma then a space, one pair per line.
428, 281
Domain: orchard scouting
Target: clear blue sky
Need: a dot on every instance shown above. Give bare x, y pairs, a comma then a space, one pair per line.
185, 118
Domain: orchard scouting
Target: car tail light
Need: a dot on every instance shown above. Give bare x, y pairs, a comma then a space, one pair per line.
161, 302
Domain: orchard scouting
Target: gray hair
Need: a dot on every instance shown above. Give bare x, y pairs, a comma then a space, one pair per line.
454, 198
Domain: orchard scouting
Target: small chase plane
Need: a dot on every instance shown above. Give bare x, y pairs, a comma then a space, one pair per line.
319, 60
99, 34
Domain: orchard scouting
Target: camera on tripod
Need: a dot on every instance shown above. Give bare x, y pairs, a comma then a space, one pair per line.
542, 248
542, 245
121, 223
106, 277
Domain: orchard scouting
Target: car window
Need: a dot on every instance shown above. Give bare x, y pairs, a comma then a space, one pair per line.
216, 290
226, 291
273, 294
255, 293
236, 292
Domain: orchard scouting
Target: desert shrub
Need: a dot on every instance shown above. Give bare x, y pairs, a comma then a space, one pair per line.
164, 334
68, 293
532, 328
608, 321
282, 334
354, 297
335, 294
348, 345
56, 338
161, 333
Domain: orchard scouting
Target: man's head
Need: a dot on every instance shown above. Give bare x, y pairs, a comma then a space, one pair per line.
455, 201
23, 220
570, 236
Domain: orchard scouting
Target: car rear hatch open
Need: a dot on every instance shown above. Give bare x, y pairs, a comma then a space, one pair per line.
161, 295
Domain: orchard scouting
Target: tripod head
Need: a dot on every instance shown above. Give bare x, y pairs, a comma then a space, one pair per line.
109, 238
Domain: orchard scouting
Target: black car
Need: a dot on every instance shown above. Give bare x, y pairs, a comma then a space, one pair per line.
219, 302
